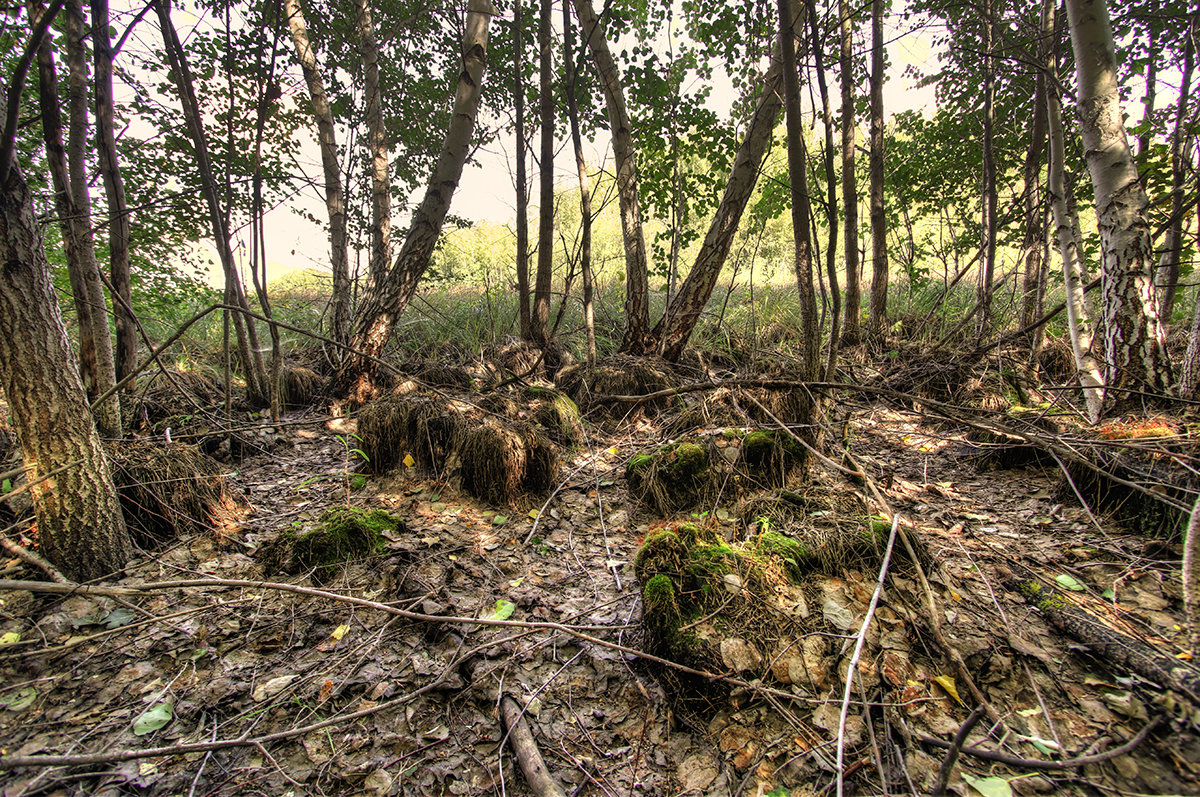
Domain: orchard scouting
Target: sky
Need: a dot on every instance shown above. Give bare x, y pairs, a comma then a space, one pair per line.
486, 191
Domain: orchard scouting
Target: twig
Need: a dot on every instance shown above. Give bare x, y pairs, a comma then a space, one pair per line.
1030, 763
31, 558
858, 647
526, 750
956, 744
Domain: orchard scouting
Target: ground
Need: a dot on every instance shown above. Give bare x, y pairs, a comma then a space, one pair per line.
305, 694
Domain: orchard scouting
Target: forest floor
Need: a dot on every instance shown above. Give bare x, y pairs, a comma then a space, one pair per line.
290, 693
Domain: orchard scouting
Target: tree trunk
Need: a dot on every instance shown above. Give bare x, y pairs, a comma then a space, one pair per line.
540, 316
810, 333
1135, 353
879, 275
1066, 225
95, 346
989, 199
114, 187
377, 316
1168, 264
850, 328
381, 185
335, 203
637, 339
257, 384
522, 176
1151, 88
685, 307
80, 526
831, 209
585, 191
1035, 231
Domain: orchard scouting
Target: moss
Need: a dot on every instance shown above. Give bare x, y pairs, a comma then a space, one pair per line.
343, 534
709, 561
659, 597
772, 451
558, 415
662, 551
795, 556
691, 460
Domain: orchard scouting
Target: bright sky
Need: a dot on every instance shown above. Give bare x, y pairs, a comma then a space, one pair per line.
486, 191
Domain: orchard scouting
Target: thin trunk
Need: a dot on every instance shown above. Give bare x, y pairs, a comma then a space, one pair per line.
257, 384
1135, 351
522, 177
879, 275
850, 328
585, 190
1066, 225
987, 224
831, 209
77, 148
335, 204
80, 526
1035, 231
637, 339
1147, 135
540, 317
381, 185
685, 307
377, 316
82, 270
114, 187
1168, 264
810, 333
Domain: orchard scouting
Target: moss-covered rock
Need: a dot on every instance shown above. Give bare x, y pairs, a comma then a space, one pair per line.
343, 534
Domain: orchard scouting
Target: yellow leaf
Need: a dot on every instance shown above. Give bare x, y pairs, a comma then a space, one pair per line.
10, 638
409, 461
533, 513
947, 683
614, 451
340, 631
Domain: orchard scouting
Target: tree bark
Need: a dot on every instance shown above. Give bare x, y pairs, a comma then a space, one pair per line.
637, 339
257, 383
1168, 264
540, 317
585, 190
989, 198
95, 346
810, 333
80, 526
1066, 225
685, 307
1135, 352
522, 176
381, 185
851, 333
879, 275
377, 316
114, 187
1035, 231
335, 203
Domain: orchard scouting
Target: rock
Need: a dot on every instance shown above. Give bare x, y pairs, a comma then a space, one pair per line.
733, 582
740, 656
697, 772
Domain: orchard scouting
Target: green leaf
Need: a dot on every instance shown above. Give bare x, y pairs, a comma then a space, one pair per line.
153, 719
118, 617
499, 520
504, 610
1109, 595
990, 786
1069, 582
18, 700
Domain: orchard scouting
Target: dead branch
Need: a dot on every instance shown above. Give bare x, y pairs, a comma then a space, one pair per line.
526, 750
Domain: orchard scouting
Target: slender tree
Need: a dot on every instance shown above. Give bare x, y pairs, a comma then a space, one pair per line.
585, 190
540, 316
879, 275
522, 176
850, 328
989, 195
1034, 239
637, 339
1135, 352
335, 203
114, 187
377, 316
1172, 250
377, 146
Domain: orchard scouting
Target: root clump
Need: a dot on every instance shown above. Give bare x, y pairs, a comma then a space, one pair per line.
343, 534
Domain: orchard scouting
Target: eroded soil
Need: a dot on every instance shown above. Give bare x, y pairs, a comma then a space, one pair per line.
303, 694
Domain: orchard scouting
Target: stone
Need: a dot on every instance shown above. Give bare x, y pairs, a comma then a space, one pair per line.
697, 772
740, 655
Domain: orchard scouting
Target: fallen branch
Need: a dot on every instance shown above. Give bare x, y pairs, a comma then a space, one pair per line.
1030, 763
533, 766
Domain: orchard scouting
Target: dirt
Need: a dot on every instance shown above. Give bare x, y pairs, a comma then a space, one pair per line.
389, 704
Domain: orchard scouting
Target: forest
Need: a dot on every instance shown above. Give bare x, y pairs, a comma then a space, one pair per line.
656, 397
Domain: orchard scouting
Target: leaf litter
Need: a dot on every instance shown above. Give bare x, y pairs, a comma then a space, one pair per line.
353, 699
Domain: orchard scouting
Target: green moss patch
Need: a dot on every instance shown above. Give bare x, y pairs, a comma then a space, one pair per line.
674, 478
342, 535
